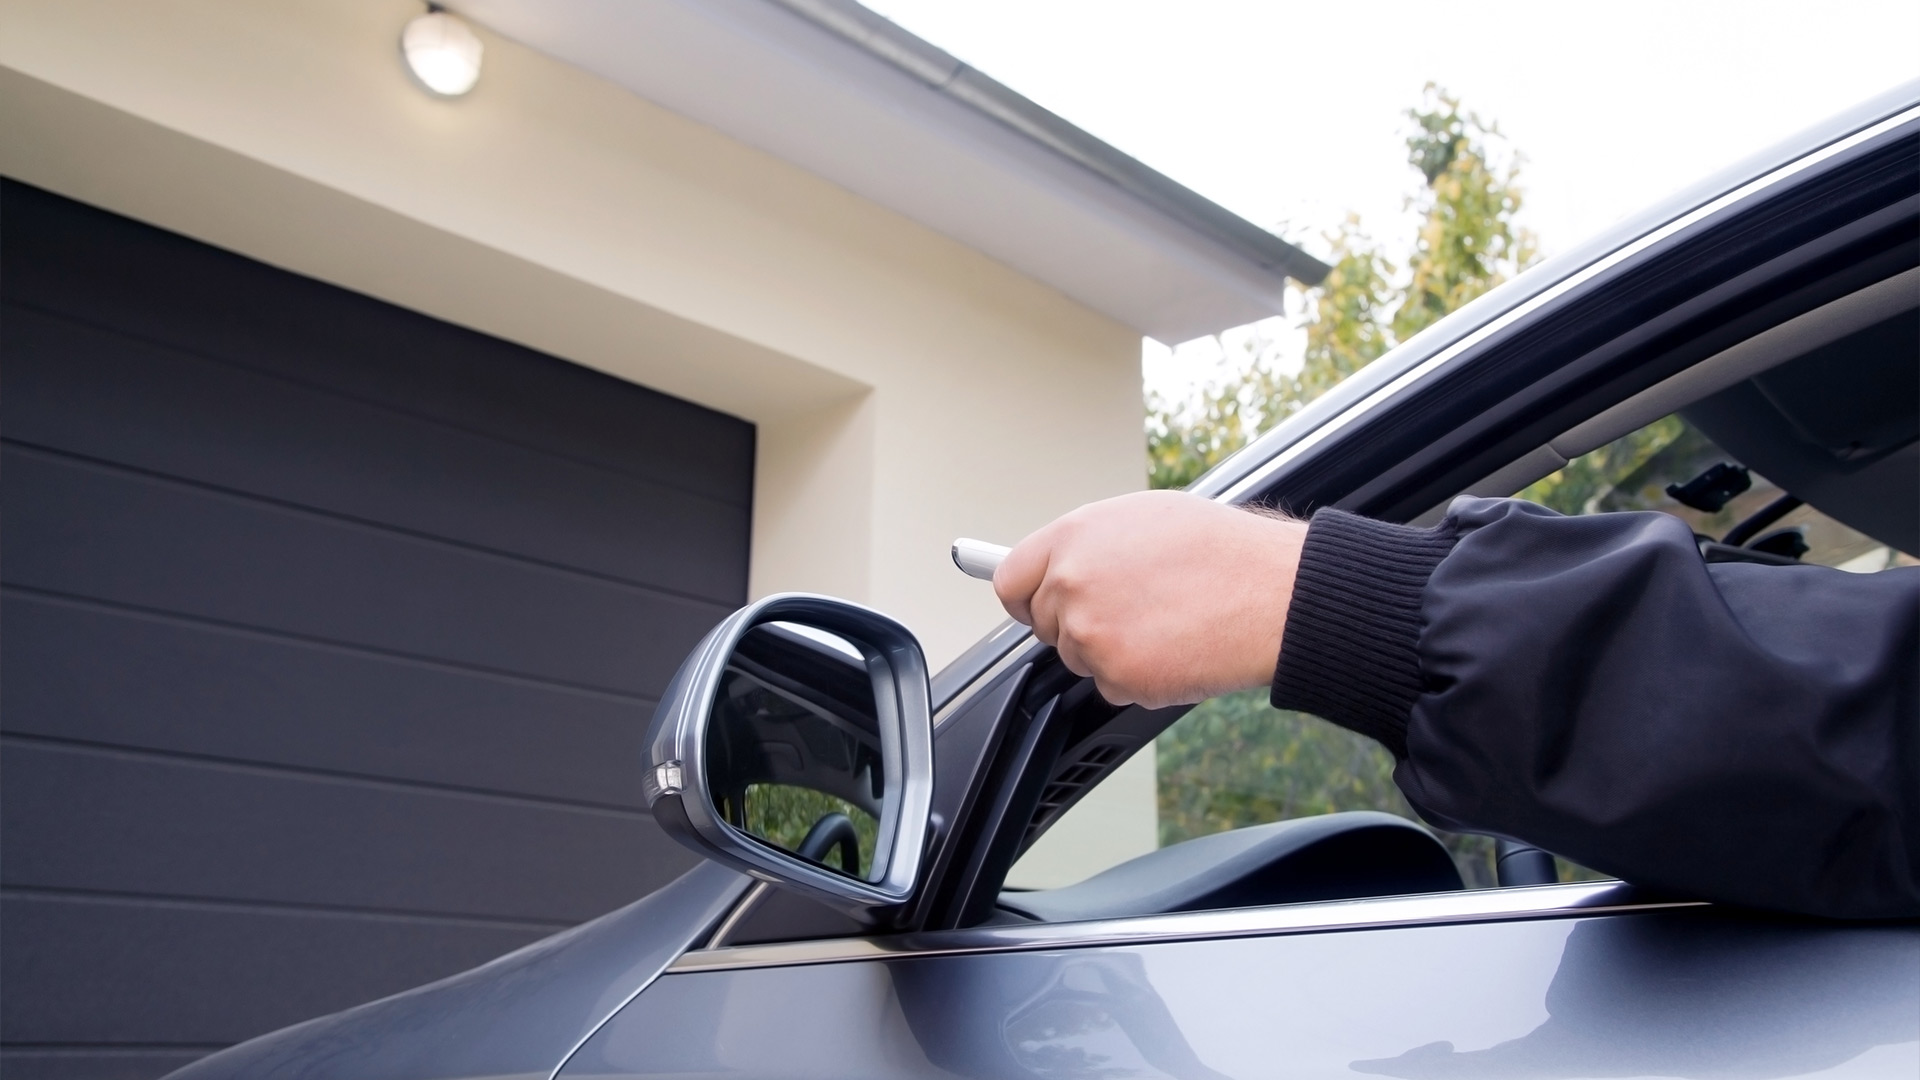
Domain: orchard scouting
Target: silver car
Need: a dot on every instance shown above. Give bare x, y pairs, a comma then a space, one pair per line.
861, 818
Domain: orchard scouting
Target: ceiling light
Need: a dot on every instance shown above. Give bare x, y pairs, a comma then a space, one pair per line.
442, 52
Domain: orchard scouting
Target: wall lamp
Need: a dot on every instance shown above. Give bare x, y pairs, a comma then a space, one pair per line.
442, 51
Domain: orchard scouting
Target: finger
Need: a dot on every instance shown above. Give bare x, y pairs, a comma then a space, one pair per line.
1021, 574
1047, 612
1071, 654
1114, 695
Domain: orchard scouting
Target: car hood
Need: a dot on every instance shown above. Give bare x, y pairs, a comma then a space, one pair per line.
518, 1016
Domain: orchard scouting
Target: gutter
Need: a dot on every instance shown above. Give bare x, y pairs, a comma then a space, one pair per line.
882, 38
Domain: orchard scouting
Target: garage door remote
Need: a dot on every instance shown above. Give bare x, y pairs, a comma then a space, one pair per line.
977, 558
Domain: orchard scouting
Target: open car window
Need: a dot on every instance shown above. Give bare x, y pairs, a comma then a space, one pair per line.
1234, 762
1652, 468
1231, 763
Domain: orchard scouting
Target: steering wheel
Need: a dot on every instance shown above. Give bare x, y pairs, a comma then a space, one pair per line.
833, 830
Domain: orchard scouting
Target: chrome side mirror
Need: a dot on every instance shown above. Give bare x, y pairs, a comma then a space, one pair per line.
795, 744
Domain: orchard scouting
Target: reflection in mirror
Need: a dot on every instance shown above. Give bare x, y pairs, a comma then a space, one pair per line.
794, 755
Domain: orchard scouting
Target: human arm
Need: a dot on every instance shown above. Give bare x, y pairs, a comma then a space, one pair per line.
1588, 685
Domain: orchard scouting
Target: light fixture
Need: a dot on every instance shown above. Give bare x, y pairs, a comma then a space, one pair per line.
442, 52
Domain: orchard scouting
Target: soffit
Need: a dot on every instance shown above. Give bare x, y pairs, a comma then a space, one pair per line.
840, 92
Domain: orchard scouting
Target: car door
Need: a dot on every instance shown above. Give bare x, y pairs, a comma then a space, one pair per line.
1560, 981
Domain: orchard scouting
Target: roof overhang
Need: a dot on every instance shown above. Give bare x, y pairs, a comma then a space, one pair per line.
851, 97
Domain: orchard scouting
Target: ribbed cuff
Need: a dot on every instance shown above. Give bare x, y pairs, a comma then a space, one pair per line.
1350, 652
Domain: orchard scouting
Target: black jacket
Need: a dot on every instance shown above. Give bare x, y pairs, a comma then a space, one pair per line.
1590, 685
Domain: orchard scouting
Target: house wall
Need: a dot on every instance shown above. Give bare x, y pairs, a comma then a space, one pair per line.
906, 389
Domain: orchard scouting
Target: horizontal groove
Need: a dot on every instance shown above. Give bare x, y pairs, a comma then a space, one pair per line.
110, 1048
367, 524
110, 898
336, 776
314, 641
361, 399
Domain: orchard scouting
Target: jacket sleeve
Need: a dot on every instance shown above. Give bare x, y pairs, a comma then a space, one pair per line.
1736, 732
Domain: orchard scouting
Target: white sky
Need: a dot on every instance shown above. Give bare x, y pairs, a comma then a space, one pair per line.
1293, 112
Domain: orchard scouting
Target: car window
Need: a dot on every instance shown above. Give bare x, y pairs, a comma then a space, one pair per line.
1644, 469
1235, 761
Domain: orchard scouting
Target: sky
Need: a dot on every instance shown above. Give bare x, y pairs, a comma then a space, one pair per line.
1292, 115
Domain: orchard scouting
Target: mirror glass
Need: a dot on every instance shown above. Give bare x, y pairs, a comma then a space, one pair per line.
794, 753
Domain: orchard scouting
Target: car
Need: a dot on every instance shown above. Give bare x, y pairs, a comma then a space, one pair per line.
860, 817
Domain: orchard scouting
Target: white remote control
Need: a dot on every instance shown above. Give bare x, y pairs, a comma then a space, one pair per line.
977, 558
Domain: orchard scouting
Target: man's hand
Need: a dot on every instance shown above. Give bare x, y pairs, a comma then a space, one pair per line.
1164, 598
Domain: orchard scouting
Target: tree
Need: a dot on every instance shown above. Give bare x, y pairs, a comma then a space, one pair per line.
1234, 761
1467, 244
1346, 329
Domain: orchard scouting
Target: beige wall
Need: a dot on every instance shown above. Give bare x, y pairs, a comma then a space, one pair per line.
906, 389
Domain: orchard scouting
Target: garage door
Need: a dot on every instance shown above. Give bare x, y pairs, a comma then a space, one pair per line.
329, 635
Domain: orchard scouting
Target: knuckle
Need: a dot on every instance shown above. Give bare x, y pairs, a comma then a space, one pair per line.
1070, 578
1096, 638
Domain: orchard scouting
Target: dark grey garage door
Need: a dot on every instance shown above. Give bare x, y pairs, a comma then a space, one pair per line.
329, 635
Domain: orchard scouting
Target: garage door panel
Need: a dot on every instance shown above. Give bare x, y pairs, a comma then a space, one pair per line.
129, 539
80, 672
64, 257
101, 395
131, 822
92, 1062
220, 969
331, 634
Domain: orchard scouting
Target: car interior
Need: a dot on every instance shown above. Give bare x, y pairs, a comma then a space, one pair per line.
1797, 443
797, 762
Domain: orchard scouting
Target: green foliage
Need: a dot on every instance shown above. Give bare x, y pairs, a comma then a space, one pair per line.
1579, 486
1236, 761
1439, 136
783, 814
1467, 244
1181, 446
1345, 329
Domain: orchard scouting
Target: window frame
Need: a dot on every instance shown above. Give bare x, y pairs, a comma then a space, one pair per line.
1453, 410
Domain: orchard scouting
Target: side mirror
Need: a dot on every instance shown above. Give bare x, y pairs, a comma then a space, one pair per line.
795, 744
